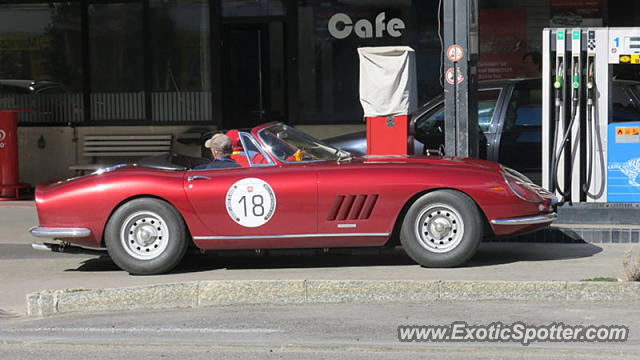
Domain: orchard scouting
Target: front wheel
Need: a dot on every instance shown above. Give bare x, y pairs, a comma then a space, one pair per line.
442, 229
146, 236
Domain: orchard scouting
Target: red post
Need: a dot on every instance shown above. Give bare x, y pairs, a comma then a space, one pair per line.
9, 155
389, 135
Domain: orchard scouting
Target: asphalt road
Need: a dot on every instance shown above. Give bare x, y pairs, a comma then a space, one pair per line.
308, 332
25, 270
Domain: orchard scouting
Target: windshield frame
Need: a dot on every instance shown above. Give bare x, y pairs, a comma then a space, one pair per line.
314, 142
246, 136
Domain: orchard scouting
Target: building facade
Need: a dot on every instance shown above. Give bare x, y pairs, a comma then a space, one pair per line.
226, 63
172, 66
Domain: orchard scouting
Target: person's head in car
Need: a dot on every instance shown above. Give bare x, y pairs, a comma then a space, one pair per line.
220, 146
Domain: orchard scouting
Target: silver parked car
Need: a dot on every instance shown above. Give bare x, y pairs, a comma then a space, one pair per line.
510, 121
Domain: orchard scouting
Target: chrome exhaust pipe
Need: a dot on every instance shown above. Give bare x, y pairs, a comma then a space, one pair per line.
67, 248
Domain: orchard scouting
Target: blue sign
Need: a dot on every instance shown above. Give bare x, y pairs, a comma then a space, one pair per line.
623, 165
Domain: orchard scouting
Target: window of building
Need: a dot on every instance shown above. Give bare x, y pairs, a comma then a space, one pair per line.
41, 61
132, 61
117, 62
181, 60
329, 34
233, 8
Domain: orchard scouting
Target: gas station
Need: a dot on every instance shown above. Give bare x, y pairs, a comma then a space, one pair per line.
590, 148
587, 149
559, 259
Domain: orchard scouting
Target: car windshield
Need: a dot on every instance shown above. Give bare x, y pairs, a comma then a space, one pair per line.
290, 145
487, 99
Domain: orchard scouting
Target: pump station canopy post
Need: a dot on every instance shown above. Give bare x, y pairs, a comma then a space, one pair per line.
460, 60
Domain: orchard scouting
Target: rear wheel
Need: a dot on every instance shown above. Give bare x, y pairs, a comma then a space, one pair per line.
146, 236
442, 229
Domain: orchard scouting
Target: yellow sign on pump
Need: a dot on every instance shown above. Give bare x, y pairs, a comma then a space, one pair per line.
630, 59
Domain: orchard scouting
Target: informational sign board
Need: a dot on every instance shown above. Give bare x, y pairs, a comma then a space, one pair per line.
503, 43
623, 167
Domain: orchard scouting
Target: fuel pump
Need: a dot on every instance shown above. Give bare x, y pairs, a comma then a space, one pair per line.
568, 133
591, 130
576, 120
590, 156
570, 159
559, 112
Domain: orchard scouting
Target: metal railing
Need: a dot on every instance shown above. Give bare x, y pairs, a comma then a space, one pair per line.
45, 108
190, 106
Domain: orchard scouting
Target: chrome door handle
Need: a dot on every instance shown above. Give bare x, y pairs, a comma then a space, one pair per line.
198, 177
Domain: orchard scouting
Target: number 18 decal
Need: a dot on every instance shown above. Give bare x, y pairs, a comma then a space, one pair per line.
251, 202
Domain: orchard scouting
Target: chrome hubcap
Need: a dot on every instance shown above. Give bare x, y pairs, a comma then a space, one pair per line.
144, 235
439, 228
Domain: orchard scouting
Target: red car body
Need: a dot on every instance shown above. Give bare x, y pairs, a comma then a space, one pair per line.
349, 202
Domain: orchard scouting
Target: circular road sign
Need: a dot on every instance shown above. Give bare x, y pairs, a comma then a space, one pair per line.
455, 53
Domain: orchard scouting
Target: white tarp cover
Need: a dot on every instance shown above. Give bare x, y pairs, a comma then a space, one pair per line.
388, 84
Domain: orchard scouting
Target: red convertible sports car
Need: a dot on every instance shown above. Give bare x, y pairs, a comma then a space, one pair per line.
294, 192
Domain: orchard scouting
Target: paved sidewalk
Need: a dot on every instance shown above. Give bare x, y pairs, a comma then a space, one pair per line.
26, 271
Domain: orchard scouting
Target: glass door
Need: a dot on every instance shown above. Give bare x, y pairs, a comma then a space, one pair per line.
253, 74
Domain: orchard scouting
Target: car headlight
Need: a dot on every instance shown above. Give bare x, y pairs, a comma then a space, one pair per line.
520, 185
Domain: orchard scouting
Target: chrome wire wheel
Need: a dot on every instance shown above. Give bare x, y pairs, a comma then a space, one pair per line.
439, 228
144, 235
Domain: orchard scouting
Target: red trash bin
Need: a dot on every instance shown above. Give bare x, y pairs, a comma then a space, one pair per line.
9, 186
389, 135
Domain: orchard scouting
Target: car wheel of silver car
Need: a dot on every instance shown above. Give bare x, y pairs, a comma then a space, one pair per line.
146, 236
442, 229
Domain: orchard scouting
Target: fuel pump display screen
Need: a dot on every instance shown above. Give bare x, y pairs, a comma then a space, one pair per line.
624, 45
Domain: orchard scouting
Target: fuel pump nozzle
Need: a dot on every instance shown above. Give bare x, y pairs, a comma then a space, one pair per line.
559, 82
590, 83
591, 123
575, 85
558, 85
575, 103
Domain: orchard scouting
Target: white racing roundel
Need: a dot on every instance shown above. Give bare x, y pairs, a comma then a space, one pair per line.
251, 202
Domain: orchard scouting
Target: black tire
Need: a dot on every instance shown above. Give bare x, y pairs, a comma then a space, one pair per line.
442, 229
146, 236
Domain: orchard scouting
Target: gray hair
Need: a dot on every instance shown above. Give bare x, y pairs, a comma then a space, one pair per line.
221, 144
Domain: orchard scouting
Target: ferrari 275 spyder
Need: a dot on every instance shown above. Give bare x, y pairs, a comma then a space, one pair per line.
294, 192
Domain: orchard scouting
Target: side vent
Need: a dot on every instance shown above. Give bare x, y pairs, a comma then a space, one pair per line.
368, 208
335, 208
352, 207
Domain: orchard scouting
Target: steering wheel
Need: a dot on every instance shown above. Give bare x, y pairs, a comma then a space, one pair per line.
299, 155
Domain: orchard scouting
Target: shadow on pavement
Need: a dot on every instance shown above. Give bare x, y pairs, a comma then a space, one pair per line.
489, 254
96, 264
504, 253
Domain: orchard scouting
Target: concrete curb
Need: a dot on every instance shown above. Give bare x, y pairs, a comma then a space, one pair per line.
233, 292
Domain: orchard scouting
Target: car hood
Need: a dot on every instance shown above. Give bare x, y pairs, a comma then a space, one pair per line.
417, 159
